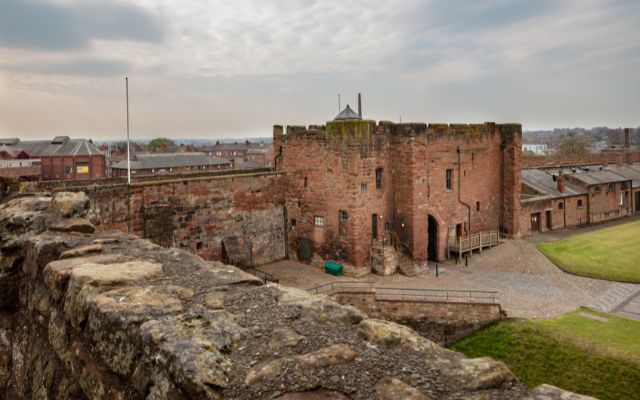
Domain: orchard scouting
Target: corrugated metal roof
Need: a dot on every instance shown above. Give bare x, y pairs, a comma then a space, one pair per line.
170, 160
347, 113
543, 183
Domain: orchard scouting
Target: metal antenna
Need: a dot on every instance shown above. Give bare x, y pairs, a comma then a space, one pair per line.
126, 82
339, 108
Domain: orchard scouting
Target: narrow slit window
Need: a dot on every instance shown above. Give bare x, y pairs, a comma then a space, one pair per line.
379, 178
449, 179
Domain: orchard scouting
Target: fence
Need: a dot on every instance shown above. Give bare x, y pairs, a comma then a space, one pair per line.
390, 293
478, 241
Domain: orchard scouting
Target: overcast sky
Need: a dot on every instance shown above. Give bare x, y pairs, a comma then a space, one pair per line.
208, 69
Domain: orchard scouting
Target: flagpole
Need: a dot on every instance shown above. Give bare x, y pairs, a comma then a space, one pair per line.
126, 82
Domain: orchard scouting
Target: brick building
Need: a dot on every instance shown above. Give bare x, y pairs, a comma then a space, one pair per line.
165, 163
57, 159
557, 198
354, 185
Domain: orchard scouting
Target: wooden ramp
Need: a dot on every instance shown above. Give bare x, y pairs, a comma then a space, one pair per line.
466, 244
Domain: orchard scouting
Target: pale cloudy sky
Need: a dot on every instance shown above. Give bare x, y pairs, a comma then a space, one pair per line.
219, 68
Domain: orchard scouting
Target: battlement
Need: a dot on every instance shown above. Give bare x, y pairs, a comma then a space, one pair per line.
347, 128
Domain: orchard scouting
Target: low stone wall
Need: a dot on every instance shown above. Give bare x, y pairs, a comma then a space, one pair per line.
442, 322
106, 315
242, 213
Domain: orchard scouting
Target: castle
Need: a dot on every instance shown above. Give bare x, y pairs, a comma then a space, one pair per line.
356, 188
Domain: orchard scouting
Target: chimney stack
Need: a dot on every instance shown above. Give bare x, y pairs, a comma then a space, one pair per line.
359, 105
560, 182
627, 141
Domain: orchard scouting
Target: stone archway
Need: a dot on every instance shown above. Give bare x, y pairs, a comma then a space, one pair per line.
432, 243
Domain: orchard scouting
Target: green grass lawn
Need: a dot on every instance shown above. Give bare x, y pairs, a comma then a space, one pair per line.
609, 253
600, 359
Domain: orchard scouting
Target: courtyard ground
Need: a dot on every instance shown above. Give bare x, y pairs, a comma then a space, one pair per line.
609, 253
584, 351
529, 285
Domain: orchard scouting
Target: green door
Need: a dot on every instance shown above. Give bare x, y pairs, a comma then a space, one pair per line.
304, 250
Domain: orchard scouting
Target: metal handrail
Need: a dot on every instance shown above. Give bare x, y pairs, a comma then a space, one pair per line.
391, 293
265, 276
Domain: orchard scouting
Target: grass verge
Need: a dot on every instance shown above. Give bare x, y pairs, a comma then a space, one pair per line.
610, 253
576, 353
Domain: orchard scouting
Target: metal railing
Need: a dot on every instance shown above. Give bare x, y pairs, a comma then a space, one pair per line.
265, 276
412, 294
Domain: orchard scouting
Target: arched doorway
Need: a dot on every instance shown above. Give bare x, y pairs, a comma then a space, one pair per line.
432, 231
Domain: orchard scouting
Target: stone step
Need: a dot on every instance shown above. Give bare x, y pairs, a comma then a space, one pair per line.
614, 296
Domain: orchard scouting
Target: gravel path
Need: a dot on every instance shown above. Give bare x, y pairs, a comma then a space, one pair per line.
529, 285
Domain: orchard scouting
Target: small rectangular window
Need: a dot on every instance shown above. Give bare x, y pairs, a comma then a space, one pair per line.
293, 224
364, 187
477, 206
305, 182
449, 178
318, 220
612, 187
379, 178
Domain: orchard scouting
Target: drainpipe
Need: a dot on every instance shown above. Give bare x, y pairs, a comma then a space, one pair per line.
460, 193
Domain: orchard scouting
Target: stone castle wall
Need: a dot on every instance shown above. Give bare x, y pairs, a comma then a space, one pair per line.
442, 322
106, 315
242, 213
338, 164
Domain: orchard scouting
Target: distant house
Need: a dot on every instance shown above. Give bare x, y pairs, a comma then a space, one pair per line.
245, 153
540, 149
166, 163
60, 158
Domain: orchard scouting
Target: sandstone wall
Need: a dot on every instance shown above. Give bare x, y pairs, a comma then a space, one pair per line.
601, 158
442, 322
242, 213
106, 315
333, 168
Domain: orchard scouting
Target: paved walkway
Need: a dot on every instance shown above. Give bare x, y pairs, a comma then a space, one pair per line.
529, 285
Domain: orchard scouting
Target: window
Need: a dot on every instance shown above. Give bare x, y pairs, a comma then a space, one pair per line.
473, 157
293, 224
379, 178
612, 187
579, 203
199, 245
318, 220
364, 187
82, 168
343, 216
477, 206
67, 170
305, 182
560, 206
449, 177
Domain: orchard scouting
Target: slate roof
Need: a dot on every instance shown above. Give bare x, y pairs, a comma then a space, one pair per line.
543, 183
170, 160
628, 171
59, 146
347, 113
599, 177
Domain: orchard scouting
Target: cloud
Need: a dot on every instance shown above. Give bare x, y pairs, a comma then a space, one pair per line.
92, 67
198, 67
27, 24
